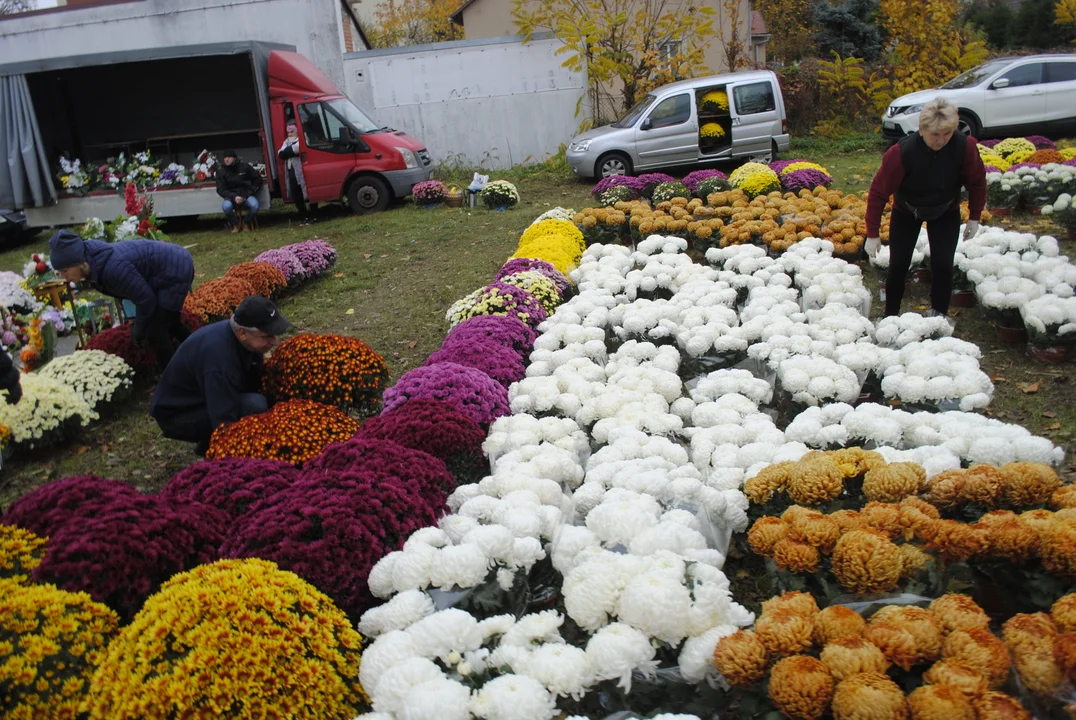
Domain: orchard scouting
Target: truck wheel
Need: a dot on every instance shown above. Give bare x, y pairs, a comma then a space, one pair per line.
613, 163
968, 124
368, 194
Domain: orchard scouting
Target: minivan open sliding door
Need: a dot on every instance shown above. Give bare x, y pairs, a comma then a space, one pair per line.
755, 120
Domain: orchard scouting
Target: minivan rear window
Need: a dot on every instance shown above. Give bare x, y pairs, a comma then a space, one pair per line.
754, 98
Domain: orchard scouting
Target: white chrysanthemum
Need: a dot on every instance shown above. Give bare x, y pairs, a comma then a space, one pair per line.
399, 613
617, 650
495, 541
563, 669
461, 566
568, 543
456, 526
658, 604
622, 515
696, 656
432, 536
592, 588
385, 652
442, 698
444, 632
496, 625
513, 697
411, 570
400, 680
534, 629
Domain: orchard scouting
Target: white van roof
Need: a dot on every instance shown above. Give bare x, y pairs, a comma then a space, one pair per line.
693, 83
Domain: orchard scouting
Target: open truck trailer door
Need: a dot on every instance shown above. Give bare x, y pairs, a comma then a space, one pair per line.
219, 96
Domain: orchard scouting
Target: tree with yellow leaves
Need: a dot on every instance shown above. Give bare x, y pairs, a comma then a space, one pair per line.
790, 27
627, 45
853, 96
1065, 12
414, 22
928, 47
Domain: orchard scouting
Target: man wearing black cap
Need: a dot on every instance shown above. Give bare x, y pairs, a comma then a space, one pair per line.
215, 375
238, 183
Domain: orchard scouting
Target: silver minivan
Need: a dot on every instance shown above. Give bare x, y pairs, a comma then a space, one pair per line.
677, 125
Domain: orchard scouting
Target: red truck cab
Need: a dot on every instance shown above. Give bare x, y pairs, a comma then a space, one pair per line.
346, 156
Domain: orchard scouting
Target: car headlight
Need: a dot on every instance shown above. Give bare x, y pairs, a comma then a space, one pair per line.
410, 161
913, 109
580, 145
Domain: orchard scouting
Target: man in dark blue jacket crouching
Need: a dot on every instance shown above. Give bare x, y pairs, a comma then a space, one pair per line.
215, 375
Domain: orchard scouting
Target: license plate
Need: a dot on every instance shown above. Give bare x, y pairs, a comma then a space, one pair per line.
888, 125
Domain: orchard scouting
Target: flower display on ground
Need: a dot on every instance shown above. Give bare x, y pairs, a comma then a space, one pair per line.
51, 642
97, 376
521, 265
470, 390
505, 330
331, 527
48, 411
20, 552
608, 183
117, 341
498, 299
189, 650
499, 362
292, 431
711, 185
121, 552
329, 369
233, 485
286, 261
408, 465
218, 298
695, 177
558, 242
746, 170
543, 288
650, 182
316, 256
429, 192
47, 509
668, 190
805, 179
435, 427
266, 279
1009, 146
499, 194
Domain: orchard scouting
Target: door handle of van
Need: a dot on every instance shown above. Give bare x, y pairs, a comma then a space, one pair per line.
302, 157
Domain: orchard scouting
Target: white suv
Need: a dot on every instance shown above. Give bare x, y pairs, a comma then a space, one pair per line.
1004, 97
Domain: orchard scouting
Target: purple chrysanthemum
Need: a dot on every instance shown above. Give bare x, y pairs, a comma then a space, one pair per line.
505, 330
990, 143
991, 169
1041, 142
518, 265
470, 390
652, 180
500, 362
778, 165
613, 181
805, 179
285, 260
691, 180
317, 256
232, 484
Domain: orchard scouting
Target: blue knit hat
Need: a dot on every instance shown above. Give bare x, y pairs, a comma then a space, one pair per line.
66, 249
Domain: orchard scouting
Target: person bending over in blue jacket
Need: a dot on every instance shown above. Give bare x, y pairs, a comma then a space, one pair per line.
215, 376
156, 276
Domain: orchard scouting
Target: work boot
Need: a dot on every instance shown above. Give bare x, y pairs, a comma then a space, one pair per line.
236, 228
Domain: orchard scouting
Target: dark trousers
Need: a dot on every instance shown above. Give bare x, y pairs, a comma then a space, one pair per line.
295, 192
164, 332
193, 425
943, 233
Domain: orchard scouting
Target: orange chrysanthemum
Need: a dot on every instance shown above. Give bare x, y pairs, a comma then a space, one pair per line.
998, 517
1065, 654
999, 706
913, 560
765, 533
884, 517
292, 431
851, 655
893, 482
1012, 539
1064, 497
836, 622
1037, 668
956, 541
897, 643
801, 687
798, 602
330, 369
815, 482
216, 299
796, 556
958, 612
741, 658
982, 650
1063, 613
855, 461
919, 622
761, 488
1037, 520
869, 696
267, 280
1058, 548
1036, 630
865, 563
939, 702
785, 632
1028, 483
815, 529
946, 490
847, 520
982, 485
917, 517
957, 675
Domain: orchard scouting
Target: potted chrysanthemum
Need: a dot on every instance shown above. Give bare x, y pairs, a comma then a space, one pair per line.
429, 194
499, 195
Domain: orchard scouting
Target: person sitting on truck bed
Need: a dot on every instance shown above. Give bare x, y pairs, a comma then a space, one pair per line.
156, 276
238, 183
216, 373
289, 153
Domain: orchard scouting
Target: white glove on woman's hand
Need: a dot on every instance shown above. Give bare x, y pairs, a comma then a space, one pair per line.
873, 245
970, 229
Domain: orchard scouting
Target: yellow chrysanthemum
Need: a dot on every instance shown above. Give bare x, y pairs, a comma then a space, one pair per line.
855, 461
997, 161
957, 542
558, 242
741, 658
884, 517
766, 533
1008, 146
1068, 153
1012, 539
897, 643
785, 632
815, 529
847, 520
20, 552
796, 556
1020, 156
1063, 613
946, 490
865, 563
869, 696
711, 130
1058, 548
849, 656
940, 702
982, 650
894, 482
801, 687
919, 622
761, 488
814, 482
837, 622
243, 633
1028, 483
747, 169
957, 675
793, 167
719, 99
999, 706
760, 183
958, 612
800, 603
51, 642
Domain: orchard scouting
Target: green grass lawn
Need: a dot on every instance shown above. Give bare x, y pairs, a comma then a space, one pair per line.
398, 272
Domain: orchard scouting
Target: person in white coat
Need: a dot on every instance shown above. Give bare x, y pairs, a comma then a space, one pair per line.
293, 166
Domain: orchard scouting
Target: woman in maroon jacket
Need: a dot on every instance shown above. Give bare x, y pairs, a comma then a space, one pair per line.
924, 173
